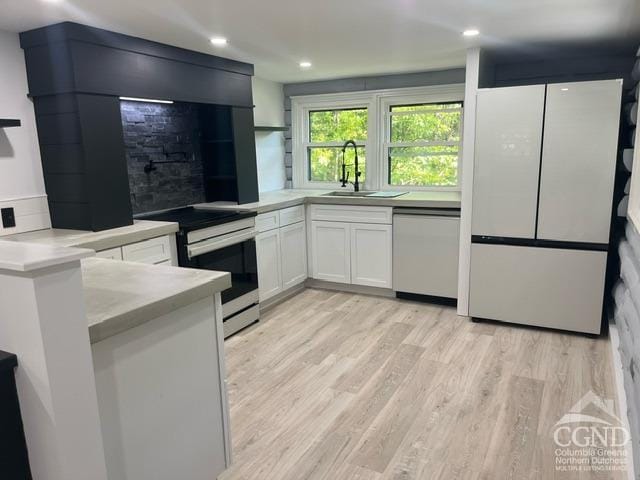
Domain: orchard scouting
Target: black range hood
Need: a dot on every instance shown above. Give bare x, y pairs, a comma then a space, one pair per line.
9, 122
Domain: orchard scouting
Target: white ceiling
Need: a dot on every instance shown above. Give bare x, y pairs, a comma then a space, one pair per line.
341, 37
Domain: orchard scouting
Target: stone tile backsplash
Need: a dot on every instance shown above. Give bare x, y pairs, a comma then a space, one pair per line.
163, 132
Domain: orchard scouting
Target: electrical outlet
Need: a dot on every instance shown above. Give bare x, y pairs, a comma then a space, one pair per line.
8, 217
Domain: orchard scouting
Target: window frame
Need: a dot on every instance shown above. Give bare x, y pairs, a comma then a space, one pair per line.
301, 108
405, 100
377, 102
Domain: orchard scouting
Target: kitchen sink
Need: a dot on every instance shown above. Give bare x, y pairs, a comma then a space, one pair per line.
351, 193
347, 193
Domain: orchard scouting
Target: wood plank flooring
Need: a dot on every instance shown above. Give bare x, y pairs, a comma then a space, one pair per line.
334, 386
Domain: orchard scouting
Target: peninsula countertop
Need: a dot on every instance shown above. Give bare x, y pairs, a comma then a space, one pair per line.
122, 295
104, 240
289, 197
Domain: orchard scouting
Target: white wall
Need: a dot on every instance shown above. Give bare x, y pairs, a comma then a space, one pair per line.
268, 98
21, 181
20, 168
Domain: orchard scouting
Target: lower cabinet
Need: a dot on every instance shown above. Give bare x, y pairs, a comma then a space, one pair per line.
349, 251
111, 254
293, 254
281, 247
155, 251
371, 255
269, 263
331, 257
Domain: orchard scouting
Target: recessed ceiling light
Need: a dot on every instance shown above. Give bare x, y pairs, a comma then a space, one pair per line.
305, 64
471, 32
564, 89
218, 41
51, 1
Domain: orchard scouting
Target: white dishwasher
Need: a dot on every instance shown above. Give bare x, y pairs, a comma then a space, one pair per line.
425, 251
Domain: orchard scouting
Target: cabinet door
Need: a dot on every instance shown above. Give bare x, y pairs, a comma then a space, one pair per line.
330, 245
293, 251
578, 161
425, 254
152, 251
269, 272
371, 255
507, 161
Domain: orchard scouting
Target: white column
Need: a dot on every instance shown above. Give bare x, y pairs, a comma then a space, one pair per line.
472, 76
42, 321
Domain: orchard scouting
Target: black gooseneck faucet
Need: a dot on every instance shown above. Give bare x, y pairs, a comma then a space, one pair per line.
345, 178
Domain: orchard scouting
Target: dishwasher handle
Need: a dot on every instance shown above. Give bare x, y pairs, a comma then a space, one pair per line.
431, 212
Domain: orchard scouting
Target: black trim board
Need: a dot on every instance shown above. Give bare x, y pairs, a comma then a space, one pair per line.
72, 58
538, 243
76, 74
66, 31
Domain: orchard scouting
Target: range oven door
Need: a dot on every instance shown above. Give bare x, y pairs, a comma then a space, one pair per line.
228, 250
237, 258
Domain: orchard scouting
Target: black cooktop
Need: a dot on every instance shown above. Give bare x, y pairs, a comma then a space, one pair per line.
191, 218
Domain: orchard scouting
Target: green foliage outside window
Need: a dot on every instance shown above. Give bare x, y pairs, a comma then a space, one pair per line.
336, 126
434, 130
326, 164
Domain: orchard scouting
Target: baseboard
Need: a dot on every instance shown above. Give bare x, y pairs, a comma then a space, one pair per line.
281, 297
31, 213
346, 287
614, 340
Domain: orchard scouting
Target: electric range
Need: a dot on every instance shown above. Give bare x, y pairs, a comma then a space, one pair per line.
222, 240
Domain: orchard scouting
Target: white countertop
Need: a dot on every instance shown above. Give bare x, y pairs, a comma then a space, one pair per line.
287, 198
112, 238
121, 295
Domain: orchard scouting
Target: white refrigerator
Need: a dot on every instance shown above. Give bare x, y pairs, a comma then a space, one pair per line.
545, 159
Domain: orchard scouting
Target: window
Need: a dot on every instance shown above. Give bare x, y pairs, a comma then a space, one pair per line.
328, 130
424, 144
408, 139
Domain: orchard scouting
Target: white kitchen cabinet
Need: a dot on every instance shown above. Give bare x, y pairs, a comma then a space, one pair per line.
293, 254
352, 244
281, 247
152, 251
331, 251
111, 254
155, 251
269, 263
371, 254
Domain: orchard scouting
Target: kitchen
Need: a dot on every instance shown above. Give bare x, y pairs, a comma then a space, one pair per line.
232, 265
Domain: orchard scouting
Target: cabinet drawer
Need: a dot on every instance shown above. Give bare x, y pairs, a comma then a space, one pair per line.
291, 215
155, 250
267, 221
111, 254
351, 213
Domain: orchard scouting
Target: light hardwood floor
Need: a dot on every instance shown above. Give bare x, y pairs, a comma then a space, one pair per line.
335, 386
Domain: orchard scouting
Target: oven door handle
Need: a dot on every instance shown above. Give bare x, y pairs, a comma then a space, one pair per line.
213, 244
